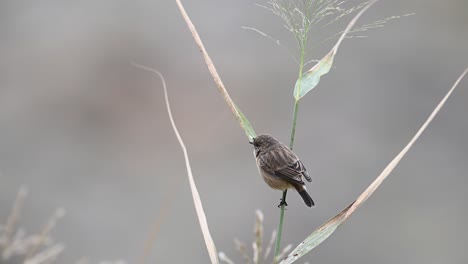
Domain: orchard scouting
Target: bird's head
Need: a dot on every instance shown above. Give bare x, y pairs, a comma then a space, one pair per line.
263, 142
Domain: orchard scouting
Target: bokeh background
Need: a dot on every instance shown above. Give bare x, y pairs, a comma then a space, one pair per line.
84, 130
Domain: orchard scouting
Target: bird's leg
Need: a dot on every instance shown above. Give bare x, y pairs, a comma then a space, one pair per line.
283, 200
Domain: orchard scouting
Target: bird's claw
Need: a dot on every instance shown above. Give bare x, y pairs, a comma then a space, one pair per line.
283, 202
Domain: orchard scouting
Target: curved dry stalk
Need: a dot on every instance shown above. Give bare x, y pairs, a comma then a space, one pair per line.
368, 192
325, 230
210, 246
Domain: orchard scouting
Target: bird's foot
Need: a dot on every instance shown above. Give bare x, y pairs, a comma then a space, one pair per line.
283, 202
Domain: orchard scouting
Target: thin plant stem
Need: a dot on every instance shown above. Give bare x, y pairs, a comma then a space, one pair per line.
293, 130
303, 44
296, 101
280, 229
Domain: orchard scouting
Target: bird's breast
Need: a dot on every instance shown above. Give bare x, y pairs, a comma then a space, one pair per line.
273, 181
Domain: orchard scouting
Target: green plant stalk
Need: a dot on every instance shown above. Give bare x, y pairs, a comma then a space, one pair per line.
280, 230
293, 130
291, 144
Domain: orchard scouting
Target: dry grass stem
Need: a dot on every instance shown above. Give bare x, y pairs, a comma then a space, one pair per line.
46, 256
325, 230
242, 250
224, 258
44, 235
258, 236
209, 64
377, 182
195, 195
10, 226
258, 245
270, 244
16, 245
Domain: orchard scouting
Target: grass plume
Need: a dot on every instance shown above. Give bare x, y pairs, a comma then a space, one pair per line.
258, 246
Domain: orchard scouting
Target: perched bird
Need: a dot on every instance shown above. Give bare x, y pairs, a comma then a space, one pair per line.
280, 168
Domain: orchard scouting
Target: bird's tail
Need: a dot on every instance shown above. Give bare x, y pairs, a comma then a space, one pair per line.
305, 196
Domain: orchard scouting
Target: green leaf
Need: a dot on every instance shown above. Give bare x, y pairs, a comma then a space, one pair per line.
245, 124
311, 78
316, 238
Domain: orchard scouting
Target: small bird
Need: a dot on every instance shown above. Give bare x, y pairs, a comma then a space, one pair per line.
280, 168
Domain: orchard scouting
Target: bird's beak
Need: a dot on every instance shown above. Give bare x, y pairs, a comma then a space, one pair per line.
250, 142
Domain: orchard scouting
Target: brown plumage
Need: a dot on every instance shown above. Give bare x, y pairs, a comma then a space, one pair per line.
280, 167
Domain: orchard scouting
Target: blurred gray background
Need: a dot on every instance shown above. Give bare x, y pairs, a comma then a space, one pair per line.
84, 130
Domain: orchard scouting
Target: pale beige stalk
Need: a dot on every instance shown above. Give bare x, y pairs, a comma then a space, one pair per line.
325, 230
195, 195
209, 63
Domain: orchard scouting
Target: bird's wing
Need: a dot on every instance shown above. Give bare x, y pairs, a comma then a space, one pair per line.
290, 174
300, 166
283, 164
